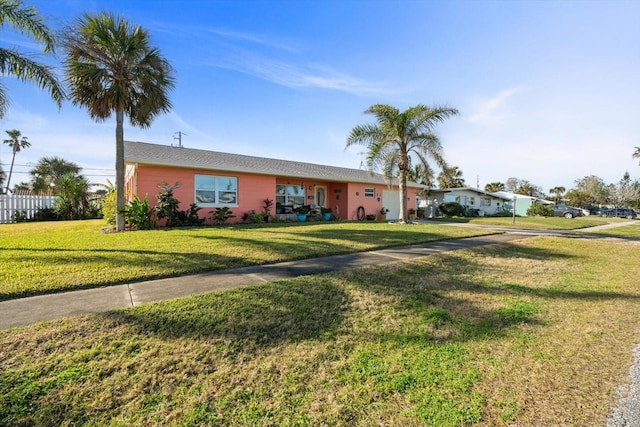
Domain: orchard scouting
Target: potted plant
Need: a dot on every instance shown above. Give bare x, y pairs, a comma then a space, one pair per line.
412, 214
326, 213
302, 213
420, 212
370, 217
383, 213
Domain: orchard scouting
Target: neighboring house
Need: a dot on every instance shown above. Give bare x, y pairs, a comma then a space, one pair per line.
521, 201
471, 198
214, 179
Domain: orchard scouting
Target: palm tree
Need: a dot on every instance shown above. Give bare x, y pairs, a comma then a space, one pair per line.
16, 143
25, 19
47, 171
558, 191
450, 177
636, 154
111, 67
494, 187
397, 137
72, 201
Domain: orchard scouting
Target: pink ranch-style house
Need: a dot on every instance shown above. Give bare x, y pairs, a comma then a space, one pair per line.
242, 183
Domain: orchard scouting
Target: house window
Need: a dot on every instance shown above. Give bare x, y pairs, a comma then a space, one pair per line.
472, 200
485, 201
290, 195
449, 198
369, 192
216, 190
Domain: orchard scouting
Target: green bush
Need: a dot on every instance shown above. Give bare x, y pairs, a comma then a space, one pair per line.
168, 208
139, 214
451, 209
221, 215
538, 209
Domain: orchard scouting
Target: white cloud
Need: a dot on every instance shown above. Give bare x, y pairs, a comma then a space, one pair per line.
494, 110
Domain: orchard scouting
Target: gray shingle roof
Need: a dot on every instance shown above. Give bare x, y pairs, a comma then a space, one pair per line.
165, 155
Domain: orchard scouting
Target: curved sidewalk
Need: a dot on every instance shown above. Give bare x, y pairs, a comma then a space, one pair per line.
25, 311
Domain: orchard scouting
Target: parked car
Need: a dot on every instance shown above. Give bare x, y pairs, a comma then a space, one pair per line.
566, 211
619, 213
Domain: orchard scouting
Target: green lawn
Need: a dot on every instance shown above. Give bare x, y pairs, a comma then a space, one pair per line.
37, 258
541, 223
538, 332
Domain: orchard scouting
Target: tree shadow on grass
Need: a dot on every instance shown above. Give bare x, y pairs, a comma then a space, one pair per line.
247, 319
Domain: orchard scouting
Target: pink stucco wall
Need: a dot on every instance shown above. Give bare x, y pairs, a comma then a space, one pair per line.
343, 198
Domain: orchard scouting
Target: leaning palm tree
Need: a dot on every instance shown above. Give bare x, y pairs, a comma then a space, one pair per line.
636, 154
25, 20
111, 67
17, 142
397, 137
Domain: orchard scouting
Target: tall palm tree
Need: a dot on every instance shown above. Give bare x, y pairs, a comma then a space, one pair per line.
558, 191
25, 19
494, 187
397, 137
636, 154
111, 67
48, 170
450, 177
17, 143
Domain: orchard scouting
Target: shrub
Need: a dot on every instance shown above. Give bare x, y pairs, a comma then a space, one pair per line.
221, 215
109, 208
168, 208
139, 214
538, 209
451, 209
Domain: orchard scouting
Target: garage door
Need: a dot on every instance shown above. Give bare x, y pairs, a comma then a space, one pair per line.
391, 201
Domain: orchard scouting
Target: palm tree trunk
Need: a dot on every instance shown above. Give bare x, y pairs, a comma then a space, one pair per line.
119, 170
13, 159
402, 178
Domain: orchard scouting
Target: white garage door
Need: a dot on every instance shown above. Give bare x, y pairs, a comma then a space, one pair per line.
391, 201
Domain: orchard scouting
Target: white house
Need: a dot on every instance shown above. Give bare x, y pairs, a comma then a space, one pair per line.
470, 198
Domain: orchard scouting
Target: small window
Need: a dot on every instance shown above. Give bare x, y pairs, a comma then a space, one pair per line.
472, 200
216, 190
485, 201
369, 192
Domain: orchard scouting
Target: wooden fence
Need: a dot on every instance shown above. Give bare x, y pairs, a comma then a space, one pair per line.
26, 206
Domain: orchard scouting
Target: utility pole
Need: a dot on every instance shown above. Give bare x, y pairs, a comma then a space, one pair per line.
179, 137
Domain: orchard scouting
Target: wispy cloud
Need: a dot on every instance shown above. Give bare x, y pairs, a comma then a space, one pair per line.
290, 74
493, 110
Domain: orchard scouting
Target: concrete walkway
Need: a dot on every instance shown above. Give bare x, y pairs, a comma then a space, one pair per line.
25, 311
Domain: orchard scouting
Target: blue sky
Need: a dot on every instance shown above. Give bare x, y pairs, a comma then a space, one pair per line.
548, 91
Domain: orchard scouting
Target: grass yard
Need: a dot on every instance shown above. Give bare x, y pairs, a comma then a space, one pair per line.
37, 258
534, 333
622, 231
540, 223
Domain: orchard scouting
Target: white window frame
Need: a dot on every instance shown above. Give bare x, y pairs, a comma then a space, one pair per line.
216, 185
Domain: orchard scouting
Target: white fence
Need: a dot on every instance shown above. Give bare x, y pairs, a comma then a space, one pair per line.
27, 206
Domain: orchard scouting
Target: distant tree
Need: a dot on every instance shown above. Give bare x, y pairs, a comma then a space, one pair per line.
72, 200
48, 171
594, 189
111, 68
636, 153
557, 192
17, 142
524, 187
422, 174
626, 192
397, 137
494, 187
450, 177
2, 178
576, 197
23, 186
25, 20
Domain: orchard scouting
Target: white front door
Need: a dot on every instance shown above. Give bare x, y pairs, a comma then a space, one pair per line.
391, 201
320, 196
